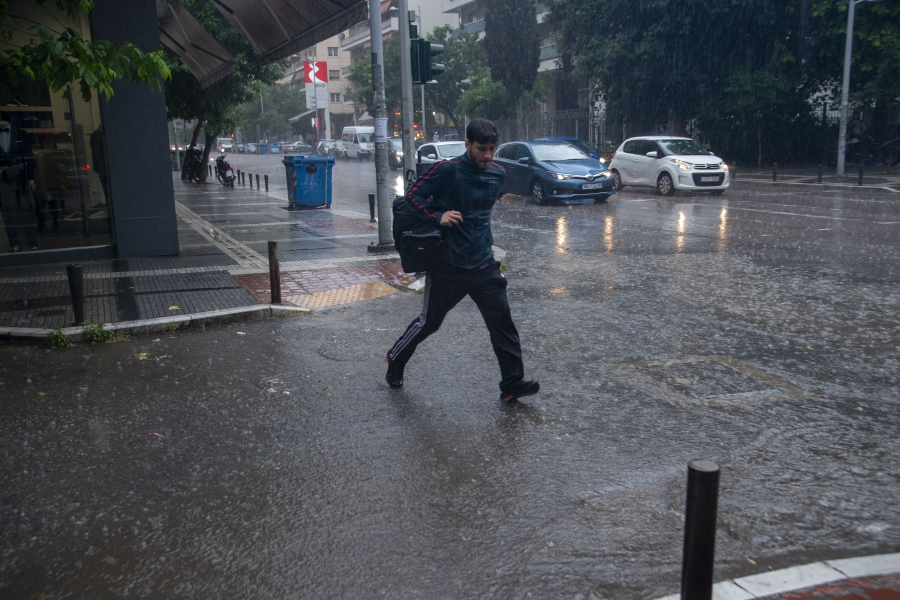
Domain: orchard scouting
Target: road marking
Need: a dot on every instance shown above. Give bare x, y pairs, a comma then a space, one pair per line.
239, 252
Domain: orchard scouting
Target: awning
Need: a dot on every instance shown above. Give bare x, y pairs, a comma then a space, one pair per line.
303, 114
197, 49
278, 28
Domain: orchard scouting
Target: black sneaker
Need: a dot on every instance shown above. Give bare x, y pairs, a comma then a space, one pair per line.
520, 389
394, 375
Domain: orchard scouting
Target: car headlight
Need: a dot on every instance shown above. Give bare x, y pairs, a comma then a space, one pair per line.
606, 174
603, 160
724, 167
399, 154
684, 166
560, 176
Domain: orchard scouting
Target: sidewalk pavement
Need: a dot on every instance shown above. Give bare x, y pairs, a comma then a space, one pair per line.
222, 268
860, 578
873, 178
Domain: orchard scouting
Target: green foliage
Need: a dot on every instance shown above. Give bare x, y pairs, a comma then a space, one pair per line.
281, 104
63, 58
57, 339
361, 75
95, 334
171, 327
463, 58
512, 44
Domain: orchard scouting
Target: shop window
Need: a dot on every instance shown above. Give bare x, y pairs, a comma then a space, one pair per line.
54, 190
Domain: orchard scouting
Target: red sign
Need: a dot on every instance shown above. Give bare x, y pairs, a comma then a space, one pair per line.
320, 69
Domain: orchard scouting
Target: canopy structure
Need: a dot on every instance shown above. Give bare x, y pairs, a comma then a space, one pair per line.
197, 49
303, 114
278, 28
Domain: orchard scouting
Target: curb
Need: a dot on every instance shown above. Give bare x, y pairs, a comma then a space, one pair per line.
821, 186
796, 578
161, 324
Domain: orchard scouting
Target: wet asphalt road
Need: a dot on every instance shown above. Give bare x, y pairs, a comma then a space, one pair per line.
285, 467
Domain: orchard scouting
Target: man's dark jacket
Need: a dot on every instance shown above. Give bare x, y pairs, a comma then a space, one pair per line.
456, 184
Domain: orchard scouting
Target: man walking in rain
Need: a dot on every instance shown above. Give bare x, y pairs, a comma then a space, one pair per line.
459, 195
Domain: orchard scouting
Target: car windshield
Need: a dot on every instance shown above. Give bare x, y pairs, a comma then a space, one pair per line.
451, 150
583, 146
558, 152
364, 137
688, 147
338, 144
397, 144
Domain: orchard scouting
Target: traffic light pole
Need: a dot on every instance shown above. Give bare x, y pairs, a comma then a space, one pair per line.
406, 90
382, 186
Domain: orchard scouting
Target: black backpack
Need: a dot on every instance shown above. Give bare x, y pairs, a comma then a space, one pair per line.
417, 241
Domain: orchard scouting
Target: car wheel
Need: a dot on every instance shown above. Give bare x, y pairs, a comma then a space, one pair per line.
717, 192
618, 179
537, 192
664, 185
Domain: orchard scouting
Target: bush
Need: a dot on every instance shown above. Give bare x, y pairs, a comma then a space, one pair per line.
58, 340
95, 334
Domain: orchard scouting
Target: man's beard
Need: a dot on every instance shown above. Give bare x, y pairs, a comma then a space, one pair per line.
474, 161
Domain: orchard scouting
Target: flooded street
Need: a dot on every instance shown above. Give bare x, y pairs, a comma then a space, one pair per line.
758, 329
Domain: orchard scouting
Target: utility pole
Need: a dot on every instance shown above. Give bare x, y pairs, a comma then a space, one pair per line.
382, 187
845, 91
424, 130
406, 87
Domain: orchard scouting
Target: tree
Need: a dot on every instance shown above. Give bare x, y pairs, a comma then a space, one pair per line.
280, 105
62, 57
215, 108
463, 58
512, 45
361, 76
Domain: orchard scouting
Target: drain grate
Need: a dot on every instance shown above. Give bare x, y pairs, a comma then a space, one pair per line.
343, 295
706, 379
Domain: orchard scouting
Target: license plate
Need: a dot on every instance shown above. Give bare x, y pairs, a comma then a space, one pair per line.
592, 186
705, 179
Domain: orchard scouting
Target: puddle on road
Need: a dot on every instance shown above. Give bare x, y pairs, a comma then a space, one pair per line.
706, 379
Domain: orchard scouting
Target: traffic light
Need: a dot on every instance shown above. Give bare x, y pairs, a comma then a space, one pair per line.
421, 51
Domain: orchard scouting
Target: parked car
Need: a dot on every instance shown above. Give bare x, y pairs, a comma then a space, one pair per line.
553, 171
338, 150
274, 148
435, 152
395, 153
252, 148
301, 148
668, 164
578, 143
322, 147
240, 148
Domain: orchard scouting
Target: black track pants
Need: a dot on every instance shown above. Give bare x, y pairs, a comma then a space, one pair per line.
444, 288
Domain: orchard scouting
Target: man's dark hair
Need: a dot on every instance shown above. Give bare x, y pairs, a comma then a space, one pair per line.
482, 131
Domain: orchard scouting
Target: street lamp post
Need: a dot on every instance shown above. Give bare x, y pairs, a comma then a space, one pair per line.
845, 90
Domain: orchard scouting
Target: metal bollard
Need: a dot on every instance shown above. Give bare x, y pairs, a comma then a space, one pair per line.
257, 181
238, 175
820, 173
274, 273
209, 169
267, 183
860, 174
774, 171
251, 180
371, 208
700, 530
76, 289
243, 179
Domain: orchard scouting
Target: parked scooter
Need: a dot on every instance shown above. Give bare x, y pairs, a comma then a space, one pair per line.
224, 172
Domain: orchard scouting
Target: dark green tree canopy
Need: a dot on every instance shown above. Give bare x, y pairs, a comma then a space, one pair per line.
512, 44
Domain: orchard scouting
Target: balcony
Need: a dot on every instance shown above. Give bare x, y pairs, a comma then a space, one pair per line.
454, 6
474, 26
359, 33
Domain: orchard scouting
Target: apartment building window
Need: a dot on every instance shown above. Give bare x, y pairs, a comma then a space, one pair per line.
332, 51
336, 98
334, 75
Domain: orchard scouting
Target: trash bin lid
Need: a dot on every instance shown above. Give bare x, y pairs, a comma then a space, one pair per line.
302, 160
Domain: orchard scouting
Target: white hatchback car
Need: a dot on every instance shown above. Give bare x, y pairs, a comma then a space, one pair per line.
668, 164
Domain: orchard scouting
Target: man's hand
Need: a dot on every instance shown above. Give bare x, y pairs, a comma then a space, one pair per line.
451, 218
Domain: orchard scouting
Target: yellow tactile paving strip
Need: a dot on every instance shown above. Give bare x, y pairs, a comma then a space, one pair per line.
343, 295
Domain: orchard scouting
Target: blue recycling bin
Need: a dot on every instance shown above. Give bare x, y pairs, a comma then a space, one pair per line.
262, 148
310, 180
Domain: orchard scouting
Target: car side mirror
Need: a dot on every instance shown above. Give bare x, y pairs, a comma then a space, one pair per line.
652, 154
525, 160
432, 157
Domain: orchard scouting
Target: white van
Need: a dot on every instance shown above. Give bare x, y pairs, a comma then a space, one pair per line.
226, 144
359, 142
